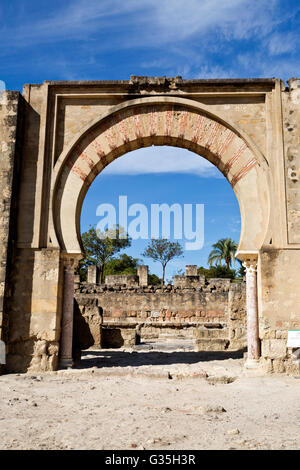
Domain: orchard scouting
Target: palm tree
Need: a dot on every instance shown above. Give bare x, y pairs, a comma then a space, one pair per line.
223, 250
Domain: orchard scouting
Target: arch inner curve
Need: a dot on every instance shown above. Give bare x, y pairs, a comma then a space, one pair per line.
147, 123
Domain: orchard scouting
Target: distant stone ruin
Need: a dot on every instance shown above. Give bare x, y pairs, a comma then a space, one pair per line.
126, 310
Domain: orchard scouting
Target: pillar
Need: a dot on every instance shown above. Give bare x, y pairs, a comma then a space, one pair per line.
142, 272
191, 270
92, 274
252, 312
66, 340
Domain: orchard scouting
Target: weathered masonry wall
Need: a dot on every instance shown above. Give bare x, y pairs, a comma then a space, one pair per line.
10, 151
58, 136
279, 268
213, 313
280, 308
35, 310
32, 276
291, 136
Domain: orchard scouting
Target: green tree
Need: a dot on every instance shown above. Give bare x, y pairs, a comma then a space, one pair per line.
124, 264
163, 250
154, 280
217, 272
99, 247
223, 250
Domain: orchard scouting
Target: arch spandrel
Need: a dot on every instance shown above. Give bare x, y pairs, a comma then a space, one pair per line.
164, 121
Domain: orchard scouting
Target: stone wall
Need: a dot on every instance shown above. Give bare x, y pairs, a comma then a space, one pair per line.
34, 275
11, 140
279, 310
34, 310
291, 126
214, 310
259, 120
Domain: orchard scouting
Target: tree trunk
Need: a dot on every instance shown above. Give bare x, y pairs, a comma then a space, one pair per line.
163, 275
101, 268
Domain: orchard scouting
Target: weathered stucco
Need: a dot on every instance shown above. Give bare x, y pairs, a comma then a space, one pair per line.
71, 130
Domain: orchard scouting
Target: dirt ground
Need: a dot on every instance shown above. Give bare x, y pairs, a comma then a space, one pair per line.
150, 399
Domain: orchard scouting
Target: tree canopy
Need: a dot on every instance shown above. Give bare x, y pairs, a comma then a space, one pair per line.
124, 264
99, 247
218, 272
163, 251
223, 250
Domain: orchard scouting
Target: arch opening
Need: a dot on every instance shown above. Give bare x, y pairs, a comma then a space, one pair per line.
164, 191
144, 123
164, 324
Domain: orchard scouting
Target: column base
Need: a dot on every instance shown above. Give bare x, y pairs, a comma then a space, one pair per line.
65, 363
252, 364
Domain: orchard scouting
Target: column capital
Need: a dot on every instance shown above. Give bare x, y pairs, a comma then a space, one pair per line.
250, 265
70, 261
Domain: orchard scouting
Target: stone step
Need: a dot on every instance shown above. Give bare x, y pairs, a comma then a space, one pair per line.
213, 344
211, 333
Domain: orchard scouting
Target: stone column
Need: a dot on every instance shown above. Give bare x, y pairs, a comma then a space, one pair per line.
92, 274
191, 270
252, 313
142, 272
66, 340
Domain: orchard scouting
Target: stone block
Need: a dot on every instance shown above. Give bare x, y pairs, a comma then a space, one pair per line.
274, 348
92, 274
211, 344
278, 366
191, 270
129, 336
267, 365
118, 337
292, 368
142, 272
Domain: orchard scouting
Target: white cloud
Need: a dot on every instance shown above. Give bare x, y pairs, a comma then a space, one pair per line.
162, 159
214, 71
192, 38
259, 64
146, 22
235, 18
282, 43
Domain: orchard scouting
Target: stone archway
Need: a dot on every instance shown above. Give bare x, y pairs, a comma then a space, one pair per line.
163, 121
58, 136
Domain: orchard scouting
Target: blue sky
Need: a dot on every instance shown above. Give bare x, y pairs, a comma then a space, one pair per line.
112, 39
163, 181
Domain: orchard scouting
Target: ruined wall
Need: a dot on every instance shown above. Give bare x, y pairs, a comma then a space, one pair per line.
278, 273
33, 293
280, 307
10, 142
56, 113
35, 310
167, 311
291, 135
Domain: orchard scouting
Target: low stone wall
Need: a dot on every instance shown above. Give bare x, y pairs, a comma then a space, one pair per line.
213, 314
276, 356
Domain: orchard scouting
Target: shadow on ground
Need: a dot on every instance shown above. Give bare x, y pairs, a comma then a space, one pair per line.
118, 358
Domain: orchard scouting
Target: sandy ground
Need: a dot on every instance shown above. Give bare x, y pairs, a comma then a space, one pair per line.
150, 399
